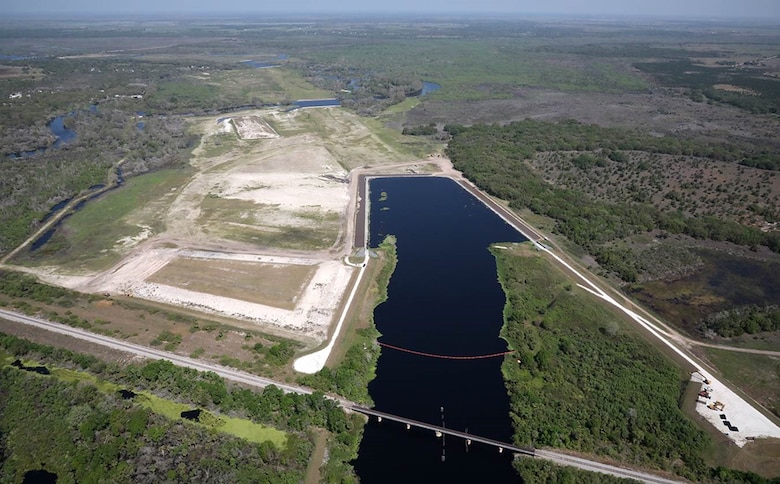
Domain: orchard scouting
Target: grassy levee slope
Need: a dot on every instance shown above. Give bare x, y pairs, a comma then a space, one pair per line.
356, 368
586, 381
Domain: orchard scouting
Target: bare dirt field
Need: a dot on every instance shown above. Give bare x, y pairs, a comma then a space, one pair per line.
253, 127
277, 285
258, 235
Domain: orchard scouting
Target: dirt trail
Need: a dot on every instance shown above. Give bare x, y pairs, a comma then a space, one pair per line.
244, 195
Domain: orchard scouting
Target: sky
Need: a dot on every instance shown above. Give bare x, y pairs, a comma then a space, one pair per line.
762, 9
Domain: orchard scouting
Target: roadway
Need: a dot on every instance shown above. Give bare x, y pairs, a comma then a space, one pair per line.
260, 382
151, 353
556, 457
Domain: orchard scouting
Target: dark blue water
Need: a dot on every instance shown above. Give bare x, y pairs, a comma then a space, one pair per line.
45, 237
429, 87
15, 57
317, 103
63, 134
58, 129
56, 208
443, 298
258, 64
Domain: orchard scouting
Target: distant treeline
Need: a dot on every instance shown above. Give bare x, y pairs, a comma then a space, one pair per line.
755, 92
493, 158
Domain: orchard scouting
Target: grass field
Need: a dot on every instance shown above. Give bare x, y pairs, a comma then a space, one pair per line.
269, 284
275, 85
92, 233
242, 428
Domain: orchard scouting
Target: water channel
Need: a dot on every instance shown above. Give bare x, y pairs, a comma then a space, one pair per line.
444, 298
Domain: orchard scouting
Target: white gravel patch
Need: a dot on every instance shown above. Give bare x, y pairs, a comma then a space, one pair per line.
127, 242
288, 191
751, 423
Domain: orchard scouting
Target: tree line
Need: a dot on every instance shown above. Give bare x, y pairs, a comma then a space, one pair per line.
581, 380
296, 413
493, 158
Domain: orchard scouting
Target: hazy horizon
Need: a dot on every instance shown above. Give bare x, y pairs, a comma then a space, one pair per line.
691, 9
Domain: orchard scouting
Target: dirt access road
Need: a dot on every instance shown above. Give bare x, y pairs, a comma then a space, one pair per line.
277, 201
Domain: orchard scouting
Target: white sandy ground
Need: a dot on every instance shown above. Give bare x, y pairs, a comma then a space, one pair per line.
750, 423
314, 362
312, 315
288, 191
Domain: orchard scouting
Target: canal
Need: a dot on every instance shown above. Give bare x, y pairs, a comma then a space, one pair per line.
444, 298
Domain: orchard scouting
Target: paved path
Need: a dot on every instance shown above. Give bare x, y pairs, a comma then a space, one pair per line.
151, 353
260, 382
589, 465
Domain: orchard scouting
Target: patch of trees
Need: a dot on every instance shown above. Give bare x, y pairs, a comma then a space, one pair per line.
764, 161
493, 158
83, 435
351, 377
583, 382
20, 285
701, 79
293, 412
422, 130
746, 319
30, 186
539, 470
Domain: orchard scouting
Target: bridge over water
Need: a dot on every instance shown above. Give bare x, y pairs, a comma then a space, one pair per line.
443, 430
557, 457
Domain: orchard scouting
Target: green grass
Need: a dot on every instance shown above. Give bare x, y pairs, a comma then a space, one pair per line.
266, 85
241, 428
218, 145
79, 376
93, 231
297, 238
404, 106
415, 146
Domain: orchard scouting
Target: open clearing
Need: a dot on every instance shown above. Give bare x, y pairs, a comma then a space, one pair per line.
253, 127
257, 232
277, 285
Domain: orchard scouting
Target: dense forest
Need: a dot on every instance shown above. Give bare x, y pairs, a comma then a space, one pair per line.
493, 157
83, 435
582, 380
605, 390
127, 435
745, 319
